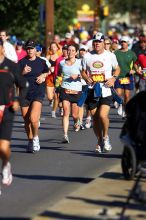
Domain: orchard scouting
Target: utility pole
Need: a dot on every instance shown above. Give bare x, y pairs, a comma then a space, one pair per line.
49, 21
97, 15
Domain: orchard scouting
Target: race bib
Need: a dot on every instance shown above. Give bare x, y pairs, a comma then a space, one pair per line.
58, 81
98, 77
124, 81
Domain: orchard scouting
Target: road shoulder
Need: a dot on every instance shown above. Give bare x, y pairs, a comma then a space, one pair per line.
106, 194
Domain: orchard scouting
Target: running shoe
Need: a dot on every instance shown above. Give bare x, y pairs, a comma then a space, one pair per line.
7, 174
98, 149
65, 139
124, 115
106, 145
120, 110
51, 103
88, 123
53, 114
77, 126
82, 127
61, 111
116, 105
35, 144
29, 148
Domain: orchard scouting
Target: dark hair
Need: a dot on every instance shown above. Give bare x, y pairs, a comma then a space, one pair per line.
6, 32
76, 46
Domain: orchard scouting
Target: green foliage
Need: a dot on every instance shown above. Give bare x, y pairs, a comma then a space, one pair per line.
135, 7
65, 11
20, 18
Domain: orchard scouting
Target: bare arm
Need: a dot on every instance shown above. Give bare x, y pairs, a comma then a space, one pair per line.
110, 82
86, 77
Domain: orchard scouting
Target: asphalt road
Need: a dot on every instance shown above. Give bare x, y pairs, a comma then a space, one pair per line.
44, 178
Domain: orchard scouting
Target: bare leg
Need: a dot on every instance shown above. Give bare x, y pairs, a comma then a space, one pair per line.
65, 119
5, 151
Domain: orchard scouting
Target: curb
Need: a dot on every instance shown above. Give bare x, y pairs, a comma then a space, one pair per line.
102, 198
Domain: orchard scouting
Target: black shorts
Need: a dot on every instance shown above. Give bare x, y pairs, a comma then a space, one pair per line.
93, 103
58, 89
6, 124
73, 98
28, 102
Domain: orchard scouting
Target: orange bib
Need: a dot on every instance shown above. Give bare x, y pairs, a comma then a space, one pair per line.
98, 77
124, 81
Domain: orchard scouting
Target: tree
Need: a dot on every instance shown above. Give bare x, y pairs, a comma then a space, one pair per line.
138, 7
22, 18
65, 11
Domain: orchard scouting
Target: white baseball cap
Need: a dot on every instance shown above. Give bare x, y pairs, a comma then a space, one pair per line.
82, 46
98, 36
68, 35
125, 38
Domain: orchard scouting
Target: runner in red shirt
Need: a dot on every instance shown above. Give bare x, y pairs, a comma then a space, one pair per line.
21, 53
141, 62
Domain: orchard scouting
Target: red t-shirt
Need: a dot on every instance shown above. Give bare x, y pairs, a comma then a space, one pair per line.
142, 62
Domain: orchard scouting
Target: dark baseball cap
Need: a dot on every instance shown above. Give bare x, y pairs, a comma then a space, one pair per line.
19, 43
65, 47
38, 48
30, 44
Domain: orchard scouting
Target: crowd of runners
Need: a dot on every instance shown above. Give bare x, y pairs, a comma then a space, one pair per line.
78, 80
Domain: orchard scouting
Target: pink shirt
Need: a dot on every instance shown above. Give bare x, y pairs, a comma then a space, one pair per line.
57, 65
21, 54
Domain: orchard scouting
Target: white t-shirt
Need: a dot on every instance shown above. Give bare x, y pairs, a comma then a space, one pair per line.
101, 64
10, 52
89, 44
47, 62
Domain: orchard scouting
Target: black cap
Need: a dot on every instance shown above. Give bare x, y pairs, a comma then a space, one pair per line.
1, 42
30, 44
65, 47
19, 43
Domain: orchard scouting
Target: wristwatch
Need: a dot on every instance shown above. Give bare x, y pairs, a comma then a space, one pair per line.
115, 76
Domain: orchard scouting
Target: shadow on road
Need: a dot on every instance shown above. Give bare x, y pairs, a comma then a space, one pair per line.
55, 178
61, 216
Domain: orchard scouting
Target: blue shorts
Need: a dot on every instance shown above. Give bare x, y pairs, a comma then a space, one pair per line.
129, 86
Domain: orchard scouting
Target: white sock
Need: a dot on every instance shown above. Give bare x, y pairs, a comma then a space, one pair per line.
36, 138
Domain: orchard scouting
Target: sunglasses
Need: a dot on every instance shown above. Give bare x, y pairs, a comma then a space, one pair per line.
107, 43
